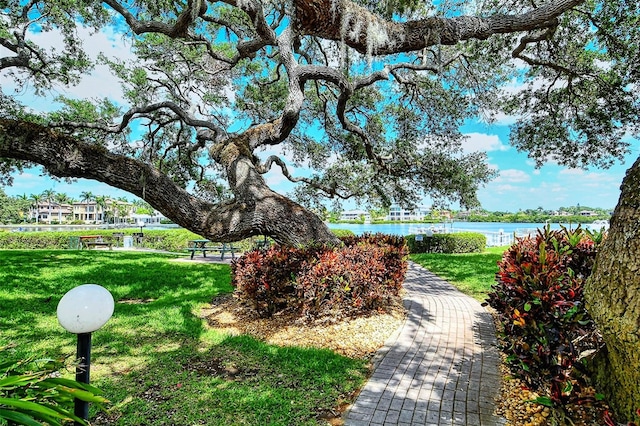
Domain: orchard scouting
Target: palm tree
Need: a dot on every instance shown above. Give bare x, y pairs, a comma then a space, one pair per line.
48, 195
115, 207
36, 200
61, 198
85, 197
101, 201
24, 205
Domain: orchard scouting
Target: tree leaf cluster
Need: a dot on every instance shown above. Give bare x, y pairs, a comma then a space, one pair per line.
364, 99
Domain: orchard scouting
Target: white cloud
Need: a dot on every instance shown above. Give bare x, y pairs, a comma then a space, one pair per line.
589, 178
572, 172
505, 188
512, 176
482, 142
275, 177
502, 119
100, 83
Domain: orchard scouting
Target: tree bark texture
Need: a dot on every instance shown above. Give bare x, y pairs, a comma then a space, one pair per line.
255, 210
343, 20
612, 294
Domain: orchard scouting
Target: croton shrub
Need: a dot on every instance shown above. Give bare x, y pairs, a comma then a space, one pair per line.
539, 302
364, 274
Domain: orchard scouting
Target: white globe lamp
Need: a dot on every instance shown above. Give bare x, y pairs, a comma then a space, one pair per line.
85, 308
82, 311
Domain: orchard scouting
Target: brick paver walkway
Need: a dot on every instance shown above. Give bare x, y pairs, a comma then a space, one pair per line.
440, 368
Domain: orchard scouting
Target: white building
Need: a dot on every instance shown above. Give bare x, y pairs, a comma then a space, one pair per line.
113, 211
148, 219
397, 213
355, 215
48, 212
91, 212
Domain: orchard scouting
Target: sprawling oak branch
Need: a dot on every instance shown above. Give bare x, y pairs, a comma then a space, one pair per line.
343, 20
133, 113
255, 210
178, 29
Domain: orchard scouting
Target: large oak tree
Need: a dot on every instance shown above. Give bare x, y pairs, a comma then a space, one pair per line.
369, 95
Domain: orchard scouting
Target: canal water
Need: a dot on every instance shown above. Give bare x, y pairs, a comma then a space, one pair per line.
408, 228
497, 233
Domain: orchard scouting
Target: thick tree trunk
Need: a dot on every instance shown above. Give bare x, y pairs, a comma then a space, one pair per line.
613, 300
256, 209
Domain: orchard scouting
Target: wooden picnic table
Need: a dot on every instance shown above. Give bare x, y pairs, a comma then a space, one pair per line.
205, 245
92, 241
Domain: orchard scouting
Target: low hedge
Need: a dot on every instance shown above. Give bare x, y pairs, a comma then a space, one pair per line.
462, 242
341, 233
173, 240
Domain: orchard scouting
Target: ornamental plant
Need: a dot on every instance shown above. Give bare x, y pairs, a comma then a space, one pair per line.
348, 281
32, 393
363, 275
538, 298
266, 278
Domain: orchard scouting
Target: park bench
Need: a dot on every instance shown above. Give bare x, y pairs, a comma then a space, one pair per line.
93, 244
93, 241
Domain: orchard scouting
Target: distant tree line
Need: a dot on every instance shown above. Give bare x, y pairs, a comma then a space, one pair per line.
574, 214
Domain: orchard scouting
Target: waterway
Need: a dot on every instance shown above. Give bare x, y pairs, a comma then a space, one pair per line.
481, 227
497, 233
359, 229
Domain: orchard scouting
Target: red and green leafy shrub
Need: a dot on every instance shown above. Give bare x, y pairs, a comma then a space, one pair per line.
348, 281
395, 252
363, 275
266, 277
538, 299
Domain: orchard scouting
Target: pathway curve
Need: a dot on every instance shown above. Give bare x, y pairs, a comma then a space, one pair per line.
439, 368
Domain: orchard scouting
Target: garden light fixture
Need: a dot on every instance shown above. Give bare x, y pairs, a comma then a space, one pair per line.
81, 311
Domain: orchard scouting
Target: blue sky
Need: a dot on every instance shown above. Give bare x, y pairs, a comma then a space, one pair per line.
518, 186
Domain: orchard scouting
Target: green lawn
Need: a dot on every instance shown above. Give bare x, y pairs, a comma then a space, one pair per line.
471, 273
156, 359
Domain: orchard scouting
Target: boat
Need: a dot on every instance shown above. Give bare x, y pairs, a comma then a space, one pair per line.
598, 225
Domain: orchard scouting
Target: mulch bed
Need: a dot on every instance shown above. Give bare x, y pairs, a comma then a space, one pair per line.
352, 337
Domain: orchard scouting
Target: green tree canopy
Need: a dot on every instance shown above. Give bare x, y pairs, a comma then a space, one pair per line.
368, 95
13, 209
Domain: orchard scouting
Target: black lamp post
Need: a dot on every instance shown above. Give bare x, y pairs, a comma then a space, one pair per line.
81, 311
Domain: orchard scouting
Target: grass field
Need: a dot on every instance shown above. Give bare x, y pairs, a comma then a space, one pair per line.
471, 273
156, 359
